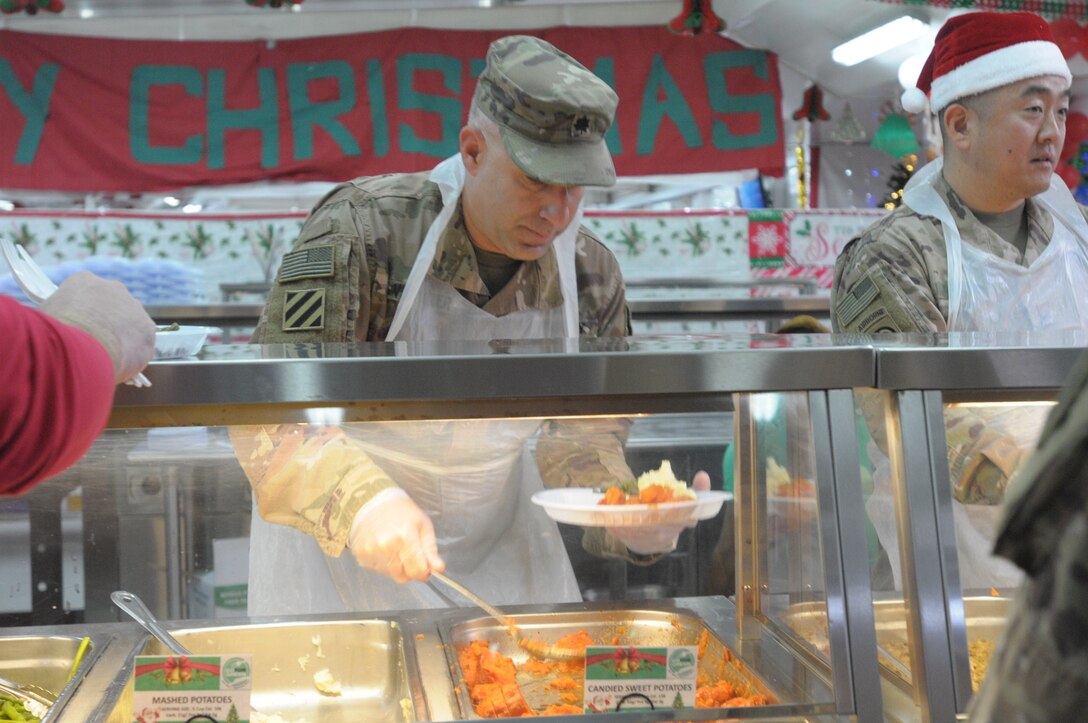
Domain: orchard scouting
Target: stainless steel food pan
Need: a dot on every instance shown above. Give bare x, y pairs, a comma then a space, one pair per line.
370, 659
984, 616
44, 661
605, 627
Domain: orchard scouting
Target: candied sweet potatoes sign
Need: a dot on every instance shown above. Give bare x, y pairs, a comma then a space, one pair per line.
105, 114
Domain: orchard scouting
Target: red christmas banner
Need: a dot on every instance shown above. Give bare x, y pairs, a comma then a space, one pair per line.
97, 114
1046, 8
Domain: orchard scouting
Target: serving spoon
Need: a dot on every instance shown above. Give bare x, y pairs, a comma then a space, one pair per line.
535, 648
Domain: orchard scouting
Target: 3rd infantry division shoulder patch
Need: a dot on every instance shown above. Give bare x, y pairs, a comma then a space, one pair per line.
304, 310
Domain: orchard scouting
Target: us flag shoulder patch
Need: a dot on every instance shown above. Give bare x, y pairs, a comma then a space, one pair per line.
304, 310
312, 262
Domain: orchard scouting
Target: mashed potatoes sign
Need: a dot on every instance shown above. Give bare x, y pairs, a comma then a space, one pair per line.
104, 114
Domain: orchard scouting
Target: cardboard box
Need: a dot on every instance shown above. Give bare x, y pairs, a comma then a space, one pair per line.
223, 591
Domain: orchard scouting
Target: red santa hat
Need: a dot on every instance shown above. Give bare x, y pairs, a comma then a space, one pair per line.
981, 51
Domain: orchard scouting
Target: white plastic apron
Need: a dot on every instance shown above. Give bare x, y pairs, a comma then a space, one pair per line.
473, 478
987, 293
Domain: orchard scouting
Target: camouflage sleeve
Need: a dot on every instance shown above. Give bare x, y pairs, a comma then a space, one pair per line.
311, 478
982, 457
589, 453
1039, 668
315, 297
602, 300
882, 282
583, 452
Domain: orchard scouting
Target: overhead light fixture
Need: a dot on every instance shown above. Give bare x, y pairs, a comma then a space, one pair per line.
878, 40
86, 13
192, 208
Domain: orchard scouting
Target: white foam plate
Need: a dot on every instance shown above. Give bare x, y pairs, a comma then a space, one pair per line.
578, 506
184, 342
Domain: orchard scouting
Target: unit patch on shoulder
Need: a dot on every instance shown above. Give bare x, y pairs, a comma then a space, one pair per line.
304, 310
312, 262
857, 301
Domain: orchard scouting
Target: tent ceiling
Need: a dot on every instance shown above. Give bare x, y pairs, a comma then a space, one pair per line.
802, 32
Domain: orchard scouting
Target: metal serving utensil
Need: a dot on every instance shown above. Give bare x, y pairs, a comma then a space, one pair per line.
134, 606
535, 648
28, 692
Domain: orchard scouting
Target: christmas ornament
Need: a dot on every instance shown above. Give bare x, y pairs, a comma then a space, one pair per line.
847, 129
895, 136
30, 7
812, 105
696, 17
811, 110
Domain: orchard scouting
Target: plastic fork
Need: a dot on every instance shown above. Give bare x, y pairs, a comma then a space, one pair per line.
39, 287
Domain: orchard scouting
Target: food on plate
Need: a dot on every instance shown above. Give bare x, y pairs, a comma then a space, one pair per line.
170, 327
654, 487
796, 488
326, 683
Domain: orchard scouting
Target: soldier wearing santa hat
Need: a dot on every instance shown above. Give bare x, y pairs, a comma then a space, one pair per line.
988, 237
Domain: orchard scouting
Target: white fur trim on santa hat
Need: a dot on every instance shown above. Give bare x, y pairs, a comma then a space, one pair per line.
1001, 67
913, 100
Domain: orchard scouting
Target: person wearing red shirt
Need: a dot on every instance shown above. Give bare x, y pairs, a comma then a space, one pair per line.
59, 369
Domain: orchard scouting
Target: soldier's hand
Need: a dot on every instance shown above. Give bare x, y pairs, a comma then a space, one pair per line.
393, 536
657, 539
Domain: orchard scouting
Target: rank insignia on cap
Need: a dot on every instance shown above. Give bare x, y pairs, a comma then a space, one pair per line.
312, 262
579, 126
304, 310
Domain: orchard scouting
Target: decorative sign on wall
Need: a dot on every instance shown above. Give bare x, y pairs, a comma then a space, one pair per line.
149, 252
106, 114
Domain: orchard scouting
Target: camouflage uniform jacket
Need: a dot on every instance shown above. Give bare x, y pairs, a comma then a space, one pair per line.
342, 282
1039, 673
894, 277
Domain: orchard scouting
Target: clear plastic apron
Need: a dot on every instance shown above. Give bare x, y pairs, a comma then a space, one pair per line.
472, 477
987, 293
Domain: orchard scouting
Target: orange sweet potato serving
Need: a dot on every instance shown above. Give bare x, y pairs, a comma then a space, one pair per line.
649, 495
491, 679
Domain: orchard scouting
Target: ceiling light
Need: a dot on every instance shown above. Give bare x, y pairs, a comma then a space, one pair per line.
171, 201
86, 13
191, 208
876, 41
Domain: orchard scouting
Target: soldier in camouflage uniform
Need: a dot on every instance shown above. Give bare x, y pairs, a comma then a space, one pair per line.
1000, 88
1039, 673
487, 245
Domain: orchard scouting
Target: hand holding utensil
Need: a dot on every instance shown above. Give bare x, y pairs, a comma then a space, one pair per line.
38, 286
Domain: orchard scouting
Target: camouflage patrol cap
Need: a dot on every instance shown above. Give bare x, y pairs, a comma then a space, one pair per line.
551, 110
